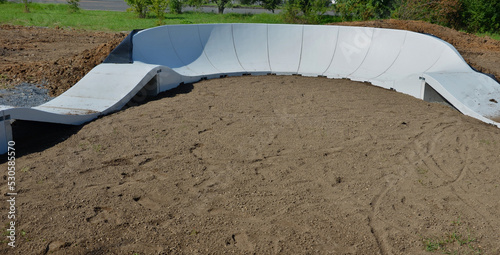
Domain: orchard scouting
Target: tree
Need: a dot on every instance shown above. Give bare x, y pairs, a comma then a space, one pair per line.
26, 5
271, 4
139, 6
158, 7
222, 4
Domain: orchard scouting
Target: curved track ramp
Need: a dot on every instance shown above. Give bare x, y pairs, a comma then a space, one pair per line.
161, 58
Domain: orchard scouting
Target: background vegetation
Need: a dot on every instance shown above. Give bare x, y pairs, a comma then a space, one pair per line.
59, 15
470, 15
475, 16
478, 16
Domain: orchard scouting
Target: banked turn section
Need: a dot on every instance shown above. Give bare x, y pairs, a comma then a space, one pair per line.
163, 57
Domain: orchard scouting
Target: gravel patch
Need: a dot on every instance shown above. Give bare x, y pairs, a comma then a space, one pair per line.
25, 95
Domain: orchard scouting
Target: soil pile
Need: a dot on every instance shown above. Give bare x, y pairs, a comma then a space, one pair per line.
57, 57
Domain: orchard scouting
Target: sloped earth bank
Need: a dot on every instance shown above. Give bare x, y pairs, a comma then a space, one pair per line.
59, 57
259, 165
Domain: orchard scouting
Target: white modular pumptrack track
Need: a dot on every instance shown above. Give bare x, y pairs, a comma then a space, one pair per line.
163, 57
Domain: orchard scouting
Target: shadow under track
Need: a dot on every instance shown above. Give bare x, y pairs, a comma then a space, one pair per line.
31, 136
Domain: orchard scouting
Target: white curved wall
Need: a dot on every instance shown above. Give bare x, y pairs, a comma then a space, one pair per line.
393, 59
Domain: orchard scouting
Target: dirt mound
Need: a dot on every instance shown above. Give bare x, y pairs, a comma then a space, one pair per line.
262, 165
57, 57
482, 53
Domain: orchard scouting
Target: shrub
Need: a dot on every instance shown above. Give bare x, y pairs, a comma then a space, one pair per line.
471, 15
443, 12
139, 6
195, 3
74, 5
291, 13
158, 7
270, 4
304, 11
175, 6
247, 2
481, 15
448, 13
364, 9
317, 8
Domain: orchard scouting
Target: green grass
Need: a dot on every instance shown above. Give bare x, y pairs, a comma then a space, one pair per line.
58, 15
453, 243
495, 36
459, 241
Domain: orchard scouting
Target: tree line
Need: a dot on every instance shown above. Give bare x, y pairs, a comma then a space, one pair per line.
474, 16
296, 11
470, 15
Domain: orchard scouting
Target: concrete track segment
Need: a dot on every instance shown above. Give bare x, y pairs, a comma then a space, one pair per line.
163, 57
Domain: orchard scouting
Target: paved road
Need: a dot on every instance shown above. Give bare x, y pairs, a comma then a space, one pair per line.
120, 5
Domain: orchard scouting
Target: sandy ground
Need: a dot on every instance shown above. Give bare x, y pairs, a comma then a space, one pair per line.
260, 165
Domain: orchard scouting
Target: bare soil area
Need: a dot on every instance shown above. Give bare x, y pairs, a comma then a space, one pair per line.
59, 57
251, 165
